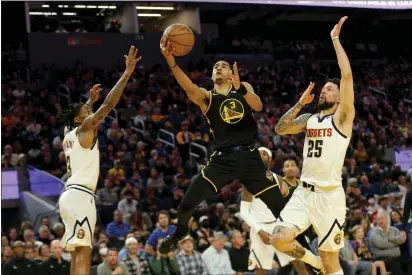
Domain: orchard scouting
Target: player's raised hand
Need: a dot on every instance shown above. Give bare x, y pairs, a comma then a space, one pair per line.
307, 96
234, 76
166, 49
336, 30
131, 60
94, 93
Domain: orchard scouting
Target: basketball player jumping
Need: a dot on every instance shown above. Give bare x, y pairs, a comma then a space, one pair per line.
261, 220
76, 203
229, 111
320, 200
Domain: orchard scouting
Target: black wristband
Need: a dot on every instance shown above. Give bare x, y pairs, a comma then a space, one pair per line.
242, 90
173, 66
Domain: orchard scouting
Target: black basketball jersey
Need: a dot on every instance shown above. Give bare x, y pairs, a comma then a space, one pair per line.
230, 119
291, 189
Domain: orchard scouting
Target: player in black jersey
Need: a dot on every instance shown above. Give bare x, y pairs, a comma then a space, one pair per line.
229, 111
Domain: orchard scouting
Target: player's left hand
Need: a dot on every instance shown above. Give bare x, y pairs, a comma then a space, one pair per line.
94, 92
266, 237
336, 30
234, 76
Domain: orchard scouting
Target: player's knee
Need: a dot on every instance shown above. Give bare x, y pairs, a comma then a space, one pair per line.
282, 236
260, 271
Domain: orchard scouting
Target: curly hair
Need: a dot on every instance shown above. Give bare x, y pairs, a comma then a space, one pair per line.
68, 114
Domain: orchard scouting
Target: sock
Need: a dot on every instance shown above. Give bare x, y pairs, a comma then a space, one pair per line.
339, 272
311, 259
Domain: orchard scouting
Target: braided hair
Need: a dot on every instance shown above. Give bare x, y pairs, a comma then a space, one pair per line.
68, 114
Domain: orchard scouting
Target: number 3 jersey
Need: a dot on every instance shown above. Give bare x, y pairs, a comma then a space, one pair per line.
324, 152
82, 164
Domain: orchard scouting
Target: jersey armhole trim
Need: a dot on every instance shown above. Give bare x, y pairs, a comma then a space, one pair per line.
306, 125
336, 128
81, 146
210, 102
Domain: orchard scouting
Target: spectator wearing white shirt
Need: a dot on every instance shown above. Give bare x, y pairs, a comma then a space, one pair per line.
216, 258
128, 205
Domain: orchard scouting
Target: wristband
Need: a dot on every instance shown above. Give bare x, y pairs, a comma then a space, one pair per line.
335, 37
173, 66
242, 90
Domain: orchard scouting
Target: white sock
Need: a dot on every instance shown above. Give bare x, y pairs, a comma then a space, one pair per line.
339, 272
312, 259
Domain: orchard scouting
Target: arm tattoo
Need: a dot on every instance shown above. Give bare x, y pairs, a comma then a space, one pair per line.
298, 251
111, 100
289, 118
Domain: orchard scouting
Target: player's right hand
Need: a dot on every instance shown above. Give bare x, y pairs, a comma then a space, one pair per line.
307, 96
131, 60
265, 236
166, 49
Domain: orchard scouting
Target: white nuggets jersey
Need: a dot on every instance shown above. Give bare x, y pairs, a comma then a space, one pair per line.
260, 211
323, 153
82, 164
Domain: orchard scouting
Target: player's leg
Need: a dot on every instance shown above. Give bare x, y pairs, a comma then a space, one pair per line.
327, 219
261, 255
73, 263
300, 267
83, 260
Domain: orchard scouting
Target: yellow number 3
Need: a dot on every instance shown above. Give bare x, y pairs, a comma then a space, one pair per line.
232, 105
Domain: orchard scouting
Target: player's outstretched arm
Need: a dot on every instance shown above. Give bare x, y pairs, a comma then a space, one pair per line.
196, 94
252, 99
87, 128
288, 123
94, 95
345, 113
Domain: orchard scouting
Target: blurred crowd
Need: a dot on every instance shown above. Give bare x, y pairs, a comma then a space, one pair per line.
148, 159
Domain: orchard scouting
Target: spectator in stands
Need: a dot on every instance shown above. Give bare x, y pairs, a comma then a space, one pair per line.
111, 265
56, 265
123, 252
106, 201
363, 250
45, 235
216, 258
13, 236
44, 252
385, 241
117, 172
128, 205
58, 230
384, 207
238, 253
6, 254
162, 230
163, 264
367, 189
189, 260
135, 263
353, 264
117, 228
9, 159
31, 253
18, 264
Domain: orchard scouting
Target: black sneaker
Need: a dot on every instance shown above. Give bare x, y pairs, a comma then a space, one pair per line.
313, 271
168, 244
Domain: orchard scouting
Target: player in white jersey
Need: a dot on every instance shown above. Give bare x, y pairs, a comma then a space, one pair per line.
76, 203
262, 221
320, 200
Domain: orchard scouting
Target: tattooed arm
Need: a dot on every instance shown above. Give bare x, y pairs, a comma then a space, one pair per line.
288, 123
86, 131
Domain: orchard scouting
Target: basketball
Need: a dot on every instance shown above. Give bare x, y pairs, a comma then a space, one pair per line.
181, 38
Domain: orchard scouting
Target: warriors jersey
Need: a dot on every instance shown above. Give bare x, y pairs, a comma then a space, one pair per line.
260, 211
82, 164
230, 119
323, 153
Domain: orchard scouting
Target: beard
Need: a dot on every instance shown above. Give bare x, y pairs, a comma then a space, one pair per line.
325, 105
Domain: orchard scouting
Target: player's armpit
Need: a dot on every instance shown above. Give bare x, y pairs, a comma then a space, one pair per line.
288, 124
284, 188
252, 99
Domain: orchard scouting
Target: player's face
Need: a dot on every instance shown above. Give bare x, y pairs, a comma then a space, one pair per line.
290, 169
329, 96
84, 112
265, 157
221, 72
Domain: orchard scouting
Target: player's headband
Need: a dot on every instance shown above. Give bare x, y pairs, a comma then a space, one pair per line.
264, 149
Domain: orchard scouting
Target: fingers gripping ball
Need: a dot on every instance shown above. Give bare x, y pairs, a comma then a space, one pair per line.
181, 39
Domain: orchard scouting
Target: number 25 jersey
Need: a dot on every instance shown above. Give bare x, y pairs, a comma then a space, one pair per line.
82, 164
324, 152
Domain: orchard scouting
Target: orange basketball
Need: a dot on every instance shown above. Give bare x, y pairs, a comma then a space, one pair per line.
181, 38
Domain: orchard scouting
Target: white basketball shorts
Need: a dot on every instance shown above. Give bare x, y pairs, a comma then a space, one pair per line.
78, 212
325, 210
261, 255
